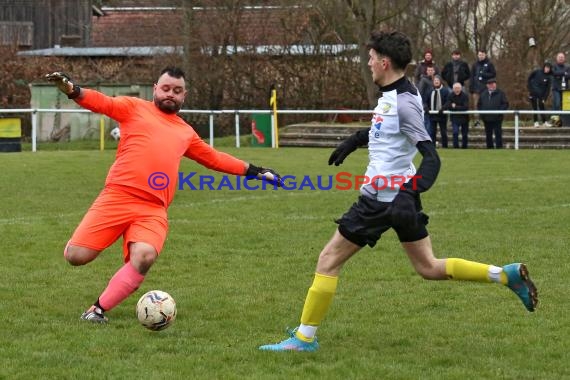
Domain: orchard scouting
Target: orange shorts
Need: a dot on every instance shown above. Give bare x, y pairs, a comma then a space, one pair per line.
116, 213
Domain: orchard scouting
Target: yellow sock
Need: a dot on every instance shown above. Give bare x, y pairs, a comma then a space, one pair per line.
319, 298
463, 270
504, 279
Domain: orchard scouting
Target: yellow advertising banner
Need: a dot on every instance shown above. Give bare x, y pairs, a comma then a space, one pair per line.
10, 128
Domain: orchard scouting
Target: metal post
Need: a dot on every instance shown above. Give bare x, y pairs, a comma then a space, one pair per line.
237, 129
273, 142
34, 129
516, 130
211, 118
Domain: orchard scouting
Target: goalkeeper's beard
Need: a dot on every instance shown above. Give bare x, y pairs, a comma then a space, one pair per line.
170, 108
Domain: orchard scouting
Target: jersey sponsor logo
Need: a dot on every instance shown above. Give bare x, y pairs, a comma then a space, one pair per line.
377, 121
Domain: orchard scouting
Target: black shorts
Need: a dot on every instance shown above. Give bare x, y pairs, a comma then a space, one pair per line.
367, 219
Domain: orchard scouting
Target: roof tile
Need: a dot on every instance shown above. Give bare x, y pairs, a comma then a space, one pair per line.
210, 26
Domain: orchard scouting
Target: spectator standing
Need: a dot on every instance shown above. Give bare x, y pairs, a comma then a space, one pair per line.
438, 98
539, 82
493, 99
561, 76
458, 101
421, 68
425, 87
456, 70
482, 70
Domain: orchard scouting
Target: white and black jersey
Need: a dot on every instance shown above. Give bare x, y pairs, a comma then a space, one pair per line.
397, 126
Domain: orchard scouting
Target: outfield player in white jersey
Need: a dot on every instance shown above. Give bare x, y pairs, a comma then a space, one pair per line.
397, 133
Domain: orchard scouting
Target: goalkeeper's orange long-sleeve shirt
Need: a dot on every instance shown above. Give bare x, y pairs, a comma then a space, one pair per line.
153, 142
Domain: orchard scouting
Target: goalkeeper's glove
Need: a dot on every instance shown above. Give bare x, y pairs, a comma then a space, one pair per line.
64, 84
404, 212
266, 174
348, 146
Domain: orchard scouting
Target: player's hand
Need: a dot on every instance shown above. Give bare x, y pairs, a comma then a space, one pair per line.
272, 176
62, 81
348, 146
404, 213
342, 151
266, 174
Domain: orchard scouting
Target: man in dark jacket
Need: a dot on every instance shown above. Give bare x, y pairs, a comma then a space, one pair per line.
538, 83
425, 87
561, 76
458, 101
456, 70
493, 99
482, 70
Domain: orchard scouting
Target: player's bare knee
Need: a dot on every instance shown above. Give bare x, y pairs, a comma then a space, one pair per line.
142, 256
143, 263
79, 255
147, 258
329, 263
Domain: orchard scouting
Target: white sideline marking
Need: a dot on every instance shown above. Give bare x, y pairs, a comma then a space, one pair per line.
278, 195
30, 220
35, 218
545, 179
498, 210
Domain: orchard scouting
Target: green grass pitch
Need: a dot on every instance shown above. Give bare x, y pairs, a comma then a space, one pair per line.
239, 264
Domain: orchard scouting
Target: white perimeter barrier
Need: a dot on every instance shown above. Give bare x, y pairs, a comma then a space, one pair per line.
36, 111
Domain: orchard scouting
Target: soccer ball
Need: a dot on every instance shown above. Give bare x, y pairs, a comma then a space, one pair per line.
115, 133
156, 310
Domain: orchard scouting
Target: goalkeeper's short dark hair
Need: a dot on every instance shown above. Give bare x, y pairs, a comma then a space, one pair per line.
394, 45
173, 71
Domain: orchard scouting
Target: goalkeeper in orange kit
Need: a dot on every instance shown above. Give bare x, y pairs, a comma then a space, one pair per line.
133, 204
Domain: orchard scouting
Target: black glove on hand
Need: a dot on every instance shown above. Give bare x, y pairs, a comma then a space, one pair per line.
348, 146
64, 84
404, 213
259, 173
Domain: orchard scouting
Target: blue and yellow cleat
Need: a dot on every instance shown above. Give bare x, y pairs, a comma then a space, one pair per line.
519, 282
292, 344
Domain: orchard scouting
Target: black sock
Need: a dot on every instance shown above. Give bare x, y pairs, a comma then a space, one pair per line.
97, 304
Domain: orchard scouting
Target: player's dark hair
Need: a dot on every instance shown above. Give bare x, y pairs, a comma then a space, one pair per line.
174, 72
394, 45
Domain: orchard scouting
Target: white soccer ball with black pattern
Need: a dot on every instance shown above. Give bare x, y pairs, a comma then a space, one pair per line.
156, 310
115, 133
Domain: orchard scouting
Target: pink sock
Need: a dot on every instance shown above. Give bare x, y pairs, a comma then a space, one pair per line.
124, 283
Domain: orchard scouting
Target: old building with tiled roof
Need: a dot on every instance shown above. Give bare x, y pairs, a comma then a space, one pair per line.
159, 26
